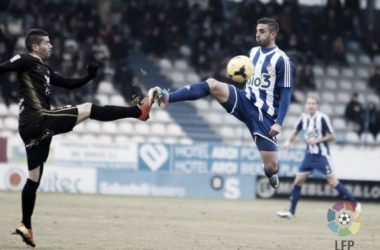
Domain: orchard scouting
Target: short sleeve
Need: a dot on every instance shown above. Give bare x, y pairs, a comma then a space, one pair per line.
326, 125
299, 124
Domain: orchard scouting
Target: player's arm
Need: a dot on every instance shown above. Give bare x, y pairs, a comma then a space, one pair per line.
293, 136
289, 141
16, 63
326, 138
284, 75
73, 83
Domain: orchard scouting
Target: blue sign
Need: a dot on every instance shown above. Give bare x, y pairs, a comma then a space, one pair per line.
154, 157
144, 183
214, 159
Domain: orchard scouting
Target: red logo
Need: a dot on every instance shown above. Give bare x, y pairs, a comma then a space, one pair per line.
14, 179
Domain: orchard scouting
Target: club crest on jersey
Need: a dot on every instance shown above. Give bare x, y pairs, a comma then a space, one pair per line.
269, 67
312, 133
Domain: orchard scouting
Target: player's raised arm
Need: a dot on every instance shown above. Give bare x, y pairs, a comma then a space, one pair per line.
16, 63
73, 83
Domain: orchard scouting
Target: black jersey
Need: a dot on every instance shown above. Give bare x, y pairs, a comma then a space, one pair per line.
34, 87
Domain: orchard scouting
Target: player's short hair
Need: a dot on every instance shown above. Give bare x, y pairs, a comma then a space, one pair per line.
272, 24
34, 36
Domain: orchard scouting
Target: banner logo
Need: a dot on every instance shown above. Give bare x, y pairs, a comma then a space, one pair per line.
14, 179
343, 218
154, 155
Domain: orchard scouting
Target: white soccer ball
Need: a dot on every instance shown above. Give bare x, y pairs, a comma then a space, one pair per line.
240, 69
344, 218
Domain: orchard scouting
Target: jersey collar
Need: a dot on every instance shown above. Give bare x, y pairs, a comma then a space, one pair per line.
315, 114
39, 58
267, 50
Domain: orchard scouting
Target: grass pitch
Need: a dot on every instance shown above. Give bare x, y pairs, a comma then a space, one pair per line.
70, 221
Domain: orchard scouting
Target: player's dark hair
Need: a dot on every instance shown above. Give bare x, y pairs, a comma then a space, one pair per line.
272, 24
34, 37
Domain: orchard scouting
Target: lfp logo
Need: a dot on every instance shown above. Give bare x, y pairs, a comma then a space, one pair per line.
343, 220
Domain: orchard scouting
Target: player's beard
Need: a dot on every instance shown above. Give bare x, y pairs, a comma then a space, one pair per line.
44, 54
264, 43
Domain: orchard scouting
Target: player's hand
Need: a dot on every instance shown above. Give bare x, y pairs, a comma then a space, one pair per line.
92, 69
275, 130
287, 145
312, 141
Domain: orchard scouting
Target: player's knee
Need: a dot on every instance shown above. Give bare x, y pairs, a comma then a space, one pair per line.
298, 182
272, 166
85, 108
34, 174
333, 182
213, 84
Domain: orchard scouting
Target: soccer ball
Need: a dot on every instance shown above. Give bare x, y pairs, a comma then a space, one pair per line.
344, 218
240, 69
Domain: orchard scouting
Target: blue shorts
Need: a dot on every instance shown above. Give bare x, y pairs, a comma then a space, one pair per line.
313, 162
258, 122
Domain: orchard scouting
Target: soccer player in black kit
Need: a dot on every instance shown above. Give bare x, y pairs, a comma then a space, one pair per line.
38, 123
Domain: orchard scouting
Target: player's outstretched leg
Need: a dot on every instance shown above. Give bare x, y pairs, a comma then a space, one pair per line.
334, 182
345, 193
191, 92
161, 97
146, 105
111, 113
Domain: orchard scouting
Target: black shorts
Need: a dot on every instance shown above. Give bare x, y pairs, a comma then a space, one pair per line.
37, 134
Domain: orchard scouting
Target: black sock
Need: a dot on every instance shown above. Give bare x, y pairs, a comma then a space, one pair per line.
111, 113
269, 175
28, 198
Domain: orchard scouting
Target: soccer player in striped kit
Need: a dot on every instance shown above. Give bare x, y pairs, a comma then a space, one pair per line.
318, 133
262, 106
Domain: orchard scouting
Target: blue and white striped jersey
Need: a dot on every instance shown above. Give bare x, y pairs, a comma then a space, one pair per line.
273, 70
317, 126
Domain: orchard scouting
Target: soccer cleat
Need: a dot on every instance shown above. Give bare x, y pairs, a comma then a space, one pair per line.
358, 211
146, 104
161, 96
274, 181
285, 215
358, 208
26, 235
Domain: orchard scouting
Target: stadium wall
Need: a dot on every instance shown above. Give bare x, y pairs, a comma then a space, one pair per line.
173, 170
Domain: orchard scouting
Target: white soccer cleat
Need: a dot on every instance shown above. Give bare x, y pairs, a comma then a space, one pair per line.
286, 215
161, 97
358, 208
